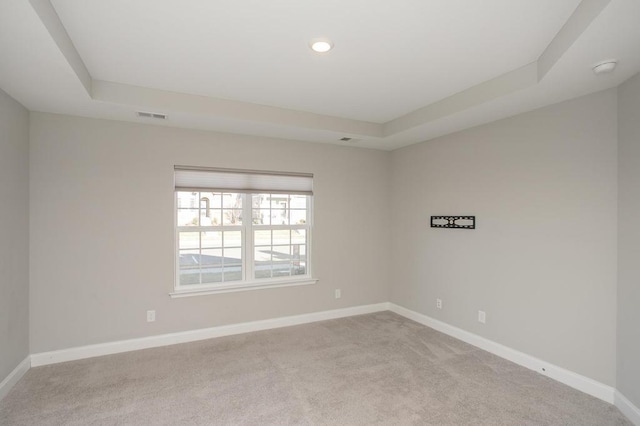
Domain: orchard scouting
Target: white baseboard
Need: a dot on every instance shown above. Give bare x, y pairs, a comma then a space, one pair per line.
14, 376
109, 348
576, 381
627, 408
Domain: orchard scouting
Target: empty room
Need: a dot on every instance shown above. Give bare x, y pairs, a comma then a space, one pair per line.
419, 212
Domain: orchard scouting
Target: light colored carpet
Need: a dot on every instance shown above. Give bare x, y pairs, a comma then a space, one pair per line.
371, 369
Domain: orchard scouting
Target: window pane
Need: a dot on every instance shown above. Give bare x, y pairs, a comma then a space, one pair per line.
279, 216
217, 256
189, 267
298, 202
298, 236
262, 238
281, 269
279, 201
232, 256
233, 273
211, 239
213, 200
262, 217
264, 271
281, 252
299, 268
281, 236
187, 200
298, 217
262, 262
232, 201
232, 217
205, 203
189, 240
211, 258
256, 216
262, 254
260, 208
210, 209
188, 217
213, 219
233, 239
211, 265
212, 275
189, 258
189, 277
298, 251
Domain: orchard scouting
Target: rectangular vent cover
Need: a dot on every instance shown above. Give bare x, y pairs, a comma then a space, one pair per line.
156, 115
348, 139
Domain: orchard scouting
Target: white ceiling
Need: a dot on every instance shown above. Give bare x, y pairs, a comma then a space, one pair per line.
401, 72
390, 58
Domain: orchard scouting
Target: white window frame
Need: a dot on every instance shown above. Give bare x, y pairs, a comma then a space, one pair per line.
247, 234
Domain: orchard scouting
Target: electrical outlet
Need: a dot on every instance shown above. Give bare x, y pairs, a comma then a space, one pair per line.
151, 316
439, 303
337, 293
482, 317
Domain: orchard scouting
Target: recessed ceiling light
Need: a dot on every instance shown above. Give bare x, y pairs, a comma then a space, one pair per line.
321, 45
605, 66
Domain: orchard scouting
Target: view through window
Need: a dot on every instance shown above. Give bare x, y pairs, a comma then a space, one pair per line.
226, 238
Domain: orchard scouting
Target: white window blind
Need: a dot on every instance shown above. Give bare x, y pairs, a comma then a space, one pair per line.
251, 181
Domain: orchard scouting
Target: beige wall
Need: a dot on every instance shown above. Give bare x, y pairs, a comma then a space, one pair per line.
629, 240
14, 234
102, 229
542, 261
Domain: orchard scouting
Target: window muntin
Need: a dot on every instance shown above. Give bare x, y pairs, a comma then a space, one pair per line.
217, 247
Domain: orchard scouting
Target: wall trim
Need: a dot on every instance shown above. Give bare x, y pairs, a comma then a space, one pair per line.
90, 351
13, 377
627, 408
569, 378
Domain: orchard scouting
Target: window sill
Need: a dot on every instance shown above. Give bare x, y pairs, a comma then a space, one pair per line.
243, 286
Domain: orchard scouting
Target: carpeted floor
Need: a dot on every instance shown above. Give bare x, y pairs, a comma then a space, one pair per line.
371, 369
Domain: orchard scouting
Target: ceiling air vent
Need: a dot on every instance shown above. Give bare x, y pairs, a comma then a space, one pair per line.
159, 116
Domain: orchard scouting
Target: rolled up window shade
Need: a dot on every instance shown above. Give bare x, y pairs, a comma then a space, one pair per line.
232, 180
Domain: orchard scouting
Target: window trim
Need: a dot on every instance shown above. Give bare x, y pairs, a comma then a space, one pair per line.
204, 289
248, 256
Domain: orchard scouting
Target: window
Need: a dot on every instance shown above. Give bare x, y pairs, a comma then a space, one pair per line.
240, 229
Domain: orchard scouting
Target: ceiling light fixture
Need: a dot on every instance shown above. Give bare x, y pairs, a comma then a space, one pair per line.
605, 67
321, 45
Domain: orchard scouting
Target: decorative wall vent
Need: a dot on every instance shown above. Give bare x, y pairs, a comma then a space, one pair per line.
460, 222
156, 115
